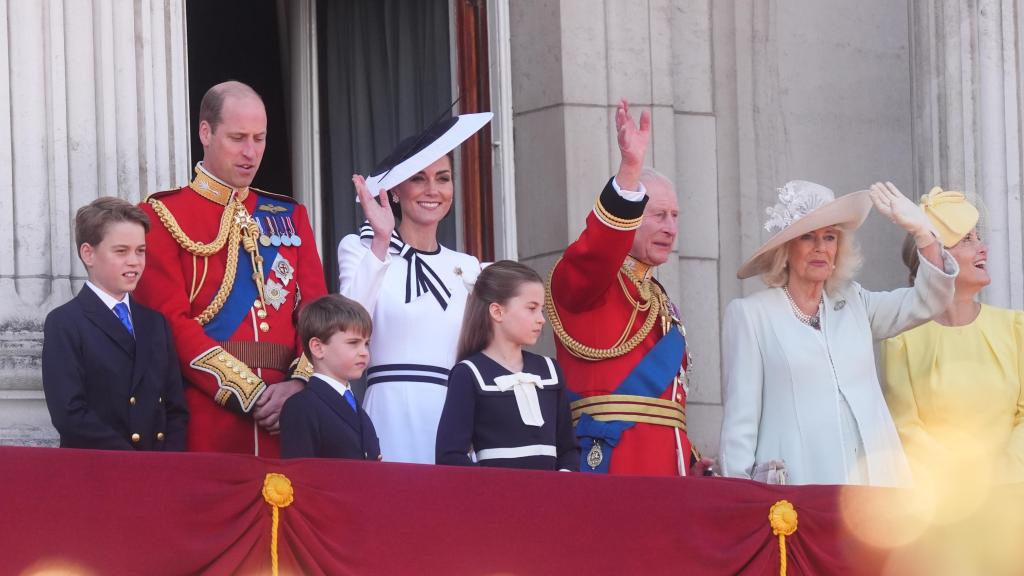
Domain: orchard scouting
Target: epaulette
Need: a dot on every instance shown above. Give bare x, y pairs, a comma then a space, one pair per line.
161, 194
281, 197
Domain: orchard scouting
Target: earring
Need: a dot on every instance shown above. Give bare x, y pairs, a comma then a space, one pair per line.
394, 198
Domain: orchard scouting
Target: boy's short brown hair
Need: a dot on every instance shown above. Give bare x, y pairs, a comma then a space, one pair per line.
93, 219
328, 315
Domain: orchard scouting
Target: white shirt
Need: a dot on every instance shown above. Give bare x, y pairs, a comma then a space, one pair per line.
109, 300
339, 387
630, 195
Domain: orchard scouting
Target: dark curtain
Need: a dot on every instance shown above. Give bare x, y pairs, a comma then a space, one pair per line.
216, 54
385, 74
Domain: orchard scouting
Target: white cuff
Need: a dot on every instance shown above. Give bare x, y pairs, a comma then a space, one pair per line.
629, 194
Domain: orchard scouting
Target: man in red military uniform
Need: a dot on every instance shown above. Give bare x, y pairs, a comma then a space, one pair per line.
618, 337
228, 266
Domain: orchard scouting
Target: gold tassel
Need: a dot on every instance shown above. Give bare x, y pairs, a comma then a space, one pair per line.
782, 518
277, 491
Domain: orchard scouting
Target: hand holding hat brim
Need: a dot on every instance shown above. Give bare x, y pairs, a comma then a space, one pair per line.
465, 125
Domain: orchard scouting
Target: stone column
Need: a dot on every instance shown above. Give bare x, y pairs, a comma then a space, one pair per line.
966, 96
572, 60
94, 101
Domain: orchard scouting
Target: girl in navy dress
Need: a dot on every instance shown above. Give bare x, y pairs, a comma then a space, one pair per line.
505, 404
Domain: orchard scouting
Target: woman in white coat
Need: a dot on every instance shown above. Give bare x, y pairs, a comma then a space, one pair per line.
802, 400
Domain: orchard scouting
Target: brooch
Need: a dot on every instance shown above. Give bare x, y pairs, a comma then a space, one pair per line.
596, 455
283, 268
275, 294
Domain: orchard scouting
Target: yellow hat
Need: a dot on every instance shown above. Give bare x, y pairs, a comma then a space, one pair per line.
951, 214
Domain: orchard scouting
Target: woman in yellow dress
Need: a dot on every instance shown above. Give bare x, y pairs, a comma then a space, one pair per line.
954, 385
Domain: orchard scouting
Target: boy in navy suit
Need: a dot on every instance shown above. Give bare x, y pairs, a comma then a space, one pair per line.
324, 420
110, 372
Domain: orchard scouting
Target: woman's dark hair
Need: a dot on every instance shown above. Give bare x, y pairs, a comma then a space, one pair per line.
497, 284
396, 208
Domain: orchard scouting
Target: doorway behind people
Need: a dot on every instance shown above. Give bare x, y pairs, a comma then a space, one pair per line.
238, 40
384, 73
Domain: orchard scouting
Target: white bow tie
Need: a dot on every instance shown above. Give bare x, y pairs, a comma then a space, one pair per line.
524, 385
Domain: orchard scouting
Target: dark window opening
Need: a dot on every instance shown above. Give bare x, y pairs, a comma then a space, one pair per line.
238, 40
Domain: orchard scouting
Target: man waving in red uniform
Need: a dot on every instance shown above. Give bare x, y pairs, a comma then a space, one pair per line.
228, 266
619, 339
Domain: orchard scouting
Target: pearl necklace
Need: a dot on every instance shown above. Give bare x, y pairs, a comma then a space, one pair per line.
812, 321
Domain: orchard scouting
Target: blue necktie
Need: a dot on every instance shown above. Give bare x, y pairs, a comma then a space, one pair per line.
121, 309
350, 399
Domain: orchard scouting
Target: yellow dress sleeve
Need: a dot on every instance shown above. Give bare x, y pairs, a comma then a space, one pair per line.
1011, 468
923, 451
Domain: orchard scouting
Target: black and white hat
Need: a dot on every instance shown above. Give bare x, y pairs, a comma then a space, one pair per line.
417, 152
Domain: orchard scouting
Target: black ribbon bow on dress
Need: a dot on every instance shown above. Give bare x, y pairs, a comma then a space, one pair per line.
420, 278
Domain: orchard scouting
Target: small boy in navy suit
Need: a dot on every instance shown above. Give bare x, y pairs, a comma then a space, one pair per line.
324, 420
110, 372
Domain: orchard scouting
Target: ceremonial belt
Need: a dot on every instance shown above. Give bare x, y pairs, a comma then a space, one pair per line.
630, 408
261, 354
601, 420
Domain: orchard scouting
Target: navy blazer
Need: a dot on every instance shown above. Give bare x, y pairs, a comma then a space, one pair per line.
317, 422
105, 389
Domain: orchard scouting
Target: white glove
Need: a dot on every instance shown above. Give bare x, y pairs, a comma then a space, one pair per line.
904, 212
770, 472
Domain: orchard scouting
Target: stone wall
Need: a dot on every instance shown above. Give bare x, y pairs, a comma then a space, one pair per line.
97, 106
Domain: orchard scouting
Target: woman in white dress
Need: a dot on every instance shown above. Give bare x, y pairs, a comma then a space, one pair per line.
802, 402
415, 290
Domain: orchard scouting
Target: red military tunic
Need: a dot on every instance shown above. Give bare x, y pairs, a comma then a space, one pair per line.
225, 377
591, 292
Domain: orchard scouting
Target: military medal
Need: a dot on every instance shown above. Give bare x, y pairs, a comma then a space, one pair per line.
274, 293
264, 239
296, 241
283, 268
274, 238
595, 456
286, 238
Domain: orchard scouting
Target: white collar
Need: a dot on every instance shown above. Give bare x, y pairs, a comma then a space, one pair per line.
339, 387
107, 299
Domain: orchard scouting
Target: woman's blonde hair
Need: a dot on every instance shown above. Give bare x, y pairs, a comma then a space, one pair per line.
848, 262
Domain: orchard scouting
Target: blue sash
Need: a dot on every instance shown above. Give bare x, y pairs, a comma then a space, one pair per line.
244, 292
660, 365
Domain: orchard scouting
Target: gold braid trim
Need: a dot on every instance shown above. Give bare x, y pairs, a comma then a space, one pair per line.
233, 377
614, 221
301, 368
230, 270
197, 248
630, 408
657, 303
230, 234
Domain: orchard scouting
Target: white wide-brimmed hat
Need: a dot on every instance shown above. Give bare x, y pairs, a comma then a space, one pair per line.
417, 152
804, 207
